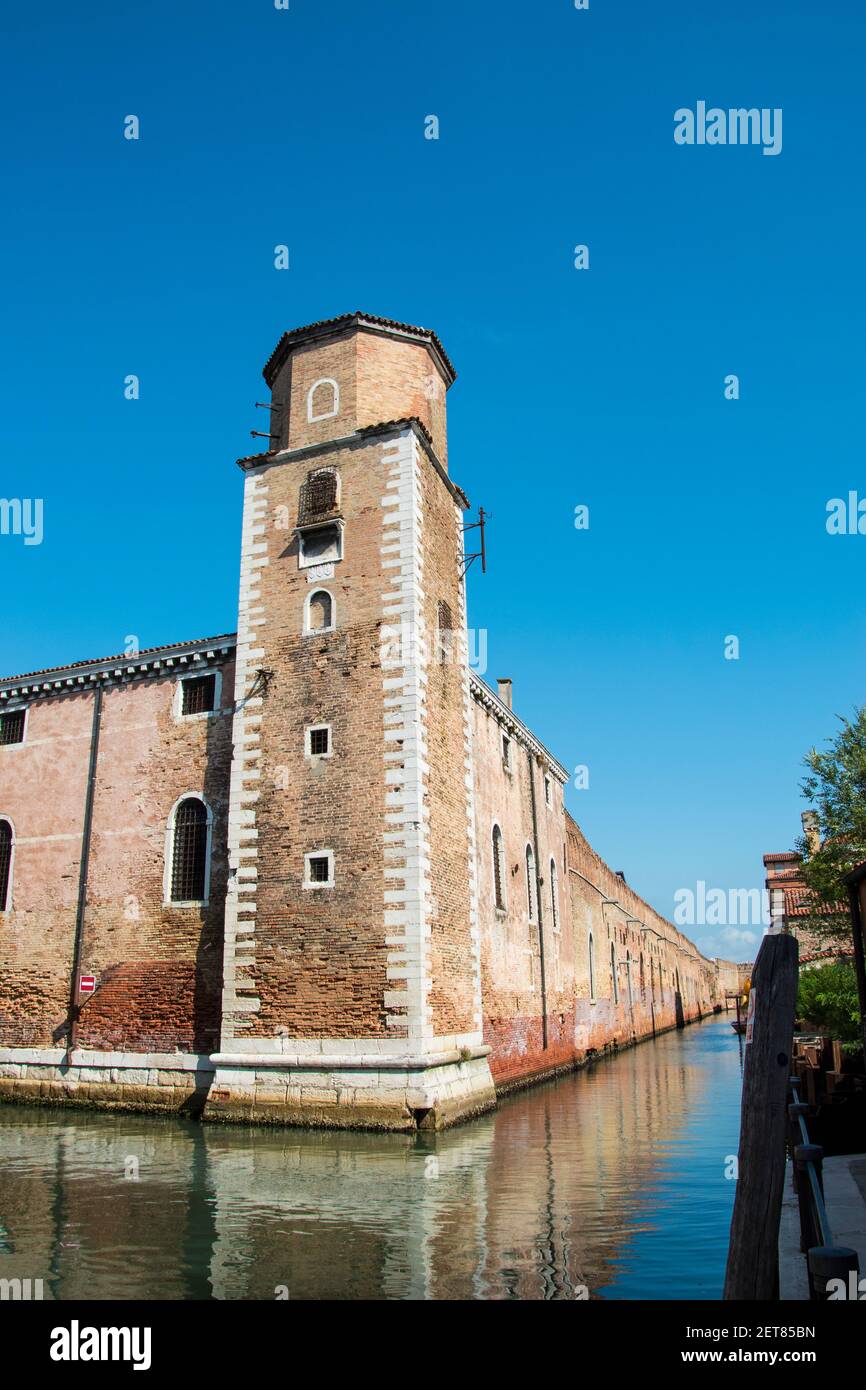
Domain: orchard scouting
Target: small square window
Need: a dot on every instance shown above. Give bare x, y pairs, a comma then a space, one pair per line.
320, 545
198, 694
320, 741
319, 869
12, 726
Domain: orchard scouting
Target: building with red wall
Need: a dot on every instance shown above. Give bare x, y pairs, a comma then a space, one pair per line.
319, 870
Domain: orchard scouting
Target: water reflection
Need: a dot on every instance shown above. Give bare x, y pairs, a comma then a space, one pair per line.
611, 1178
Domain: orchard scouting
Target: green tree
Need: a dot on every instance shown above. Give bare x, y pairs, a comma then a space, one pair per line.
835, 786
827, 998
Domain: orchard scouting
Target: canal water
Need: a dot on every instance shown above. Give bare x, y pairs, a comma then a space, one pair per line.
610, 1180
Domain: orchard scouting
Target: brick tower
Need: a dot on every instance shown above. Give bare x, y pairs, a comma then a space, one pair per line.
352, 979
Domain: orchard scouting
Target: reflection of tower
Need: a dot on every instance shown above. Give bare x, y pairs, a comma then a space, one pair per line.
352, 978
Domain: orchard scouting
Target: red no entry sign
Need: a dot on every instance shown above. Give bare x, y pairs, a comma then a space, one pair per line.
86, 984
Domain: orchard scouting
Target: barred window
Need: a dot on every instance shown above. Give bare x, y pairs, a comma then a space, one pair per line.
320, 740
319, 869
12, 726
198, 694
498, 869
189, 852
444, 632
591, 969
614, 980
5, 865
319, 495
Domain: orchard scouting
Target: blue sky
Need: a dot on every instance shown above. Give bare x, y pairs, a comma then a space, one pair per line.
603, 387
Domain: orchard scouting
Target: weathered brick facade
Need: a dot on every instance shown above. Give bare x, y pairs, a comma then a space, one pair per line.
348, 962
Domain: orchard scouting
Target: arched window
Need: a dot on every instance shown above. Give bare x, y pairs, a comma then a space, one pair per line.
7, 841
653, 980
591, 969
530, 882
613, 973
554, 906
628, 978
323, 399
642, 975
189, 869
498, 869
319, 616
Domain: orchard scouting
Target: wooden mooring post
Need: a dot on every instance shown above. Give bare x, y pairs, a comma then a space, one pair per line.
753, 1252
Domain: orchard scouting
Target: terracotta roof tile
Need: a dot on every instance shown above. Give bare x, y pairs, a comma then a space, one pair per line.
225, 639
278, 356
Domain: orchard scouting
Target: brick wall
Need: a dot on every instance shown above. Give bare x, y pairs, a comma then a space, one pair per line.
660, 978
158, 967
319, 967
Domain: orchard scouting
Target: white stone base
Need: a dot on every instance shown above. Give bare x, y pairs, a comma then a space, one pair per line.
388, 1091
383, 1095
163, 1081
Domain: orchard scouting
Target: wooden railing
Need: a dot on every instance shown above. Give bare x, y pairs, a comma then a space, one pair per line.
824, 1260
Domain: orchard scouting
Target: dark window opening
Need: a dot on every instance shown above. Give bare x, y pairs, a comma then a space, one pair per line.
319, 868
498, 869
319, 740
12, 726
189, 857
5, 863
199, 694
445, 631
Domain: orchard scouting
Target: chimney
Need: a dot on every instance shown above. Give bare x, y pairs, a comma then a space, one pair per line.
809, 820
505, 690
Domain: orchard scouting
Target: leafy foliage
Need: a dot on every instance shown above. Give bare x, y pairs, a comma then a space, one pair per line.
835, 785
827, 998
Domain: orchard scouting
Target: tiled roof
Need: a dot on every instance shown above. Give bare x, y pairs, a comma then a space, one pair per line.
378, 428
799, 902
324, 326
776, 858
124, 658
